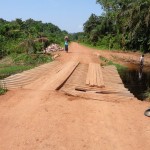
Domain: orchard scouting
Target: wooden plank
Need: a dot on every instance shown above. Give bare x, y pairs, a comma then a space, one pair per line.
97, 76
101, 77
111, 90
122, 92
88, 76
94, 75
61, 77
102, 97
91, 75
97, 91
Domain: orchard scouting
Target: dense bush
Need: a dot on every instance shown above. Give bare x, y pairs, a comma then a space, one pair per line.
123, 25
27, 36
2, 91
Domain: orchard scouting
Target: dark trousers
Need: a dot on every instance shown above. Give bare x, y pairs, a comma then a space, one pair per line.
66, 48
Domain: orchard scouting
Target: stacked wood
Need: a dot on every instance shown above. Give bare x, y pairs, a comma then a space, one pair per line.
94, 75
53, 48
114, 90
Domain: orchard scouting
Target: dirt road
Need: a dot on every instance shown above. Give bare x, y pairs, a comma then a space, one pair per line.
37, 118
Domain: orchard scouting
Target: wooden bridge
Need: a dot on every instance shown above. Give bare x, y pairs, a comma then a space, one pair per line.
90, 81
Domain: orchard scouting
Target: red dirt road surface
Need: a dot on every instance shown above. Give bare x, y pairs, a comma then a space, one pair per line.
37, 117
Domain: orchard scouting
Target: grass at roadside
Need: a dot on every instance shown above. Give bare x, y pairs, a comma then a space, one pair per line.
2, 91
9, 70
19, 63
94, 47
109, 62
102, 47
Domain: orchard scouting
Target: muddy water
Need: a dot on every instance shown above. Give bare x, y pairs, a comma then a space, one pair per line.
136, 80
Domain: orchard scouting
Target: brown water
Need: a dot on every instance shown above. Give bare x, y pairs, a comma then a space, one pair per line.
136, 80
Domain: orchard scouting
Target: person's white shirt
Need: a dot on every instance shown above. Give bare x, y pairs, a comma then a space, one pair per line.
142, 59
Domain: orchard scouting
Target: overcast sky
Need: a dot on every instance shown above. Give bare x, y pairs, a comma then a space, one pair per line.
69, 15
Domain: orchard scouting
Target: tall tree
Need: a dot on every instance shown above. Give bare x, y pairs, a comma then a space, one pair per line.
131, 19
135, 18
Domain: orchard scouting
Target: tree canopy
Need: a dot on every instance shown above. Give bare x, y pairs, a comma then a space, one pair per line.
19, 36
124, 24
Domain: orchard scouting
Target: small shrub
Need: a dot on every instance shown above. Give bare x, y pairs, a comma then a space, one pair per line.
103, 42
147, 94
2, 91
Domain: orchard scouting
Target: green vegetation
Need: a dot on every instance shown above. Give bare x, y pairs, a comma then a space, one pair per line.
7, 71
109, 62
2, 91
124, 25
21, 62
97, 47
32, 59
30, 37
22, 44
147, 94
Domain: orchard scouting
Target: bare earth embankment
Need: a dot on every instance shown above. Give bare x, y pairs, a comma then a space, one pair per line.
36, 117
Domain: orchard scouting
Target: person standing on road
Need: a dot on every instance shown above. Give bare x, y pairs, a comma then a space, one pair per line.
66, 44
